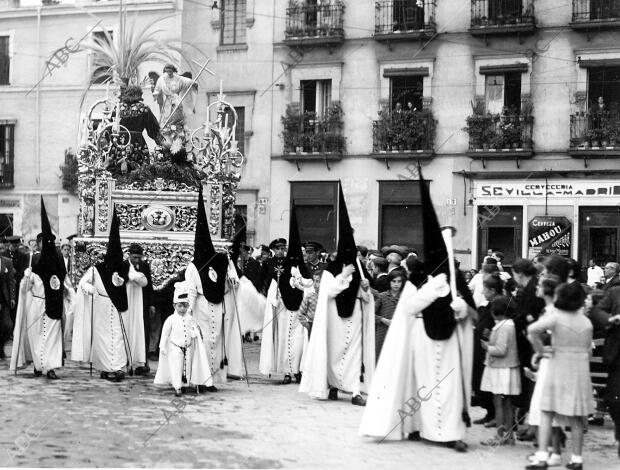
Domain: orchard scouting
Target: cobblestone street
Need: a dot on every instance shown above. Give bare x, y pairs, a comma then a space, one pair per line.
83, 422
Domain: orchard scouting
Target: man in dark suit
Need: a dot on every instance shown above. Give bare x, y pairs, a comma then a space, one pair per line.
272, 268
20, 263
7, 301
248, 266
136, 258
612, 277
380, 280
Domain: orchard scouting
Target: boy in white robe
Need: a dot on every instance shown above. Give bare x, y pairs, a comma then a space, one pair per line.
182, 357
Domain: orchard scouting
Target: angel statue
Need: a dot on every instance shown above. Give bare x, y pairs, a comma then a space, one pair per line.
168, 91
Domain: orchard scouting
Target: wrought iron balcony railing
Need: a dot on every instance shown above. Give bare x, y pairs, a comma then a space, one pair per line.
406, 131
321, 23
404, 19
493, 132
308, 133
596, 10
502, 16
597, 130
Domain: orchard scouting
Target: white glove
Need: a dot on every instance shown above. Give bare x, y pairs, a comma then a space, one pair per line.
460, 308
295, 272
439, 284
88, 288
27, 272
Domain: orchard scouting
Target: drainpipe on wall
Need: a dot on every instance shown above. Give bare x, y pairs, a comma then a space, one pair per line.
37, 107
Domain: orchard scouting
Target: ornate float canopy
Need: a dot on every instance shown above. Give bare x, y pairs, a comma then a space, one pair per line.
156, 195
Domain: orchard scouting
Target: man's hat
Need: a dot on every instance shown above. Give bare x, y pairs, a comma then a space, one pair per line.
316, 246
135, 249
277, 243
181, 292
393, 249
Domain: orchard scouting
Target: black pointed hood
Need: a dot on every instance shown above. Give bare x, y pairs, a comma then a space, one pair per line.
291, 296
346, 254
212, 267
113, 271
439, 321
51, 269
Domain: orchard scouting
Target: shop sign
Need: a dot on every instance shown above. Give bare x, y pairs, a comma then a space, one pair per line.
552, 189
549, 235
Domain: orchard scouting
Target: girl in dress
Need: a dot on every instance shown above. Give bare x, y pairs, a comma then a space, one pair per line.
501, 373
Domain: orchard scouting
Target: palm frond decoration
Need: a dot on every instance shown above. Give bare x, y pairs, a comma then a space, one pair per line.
119, 61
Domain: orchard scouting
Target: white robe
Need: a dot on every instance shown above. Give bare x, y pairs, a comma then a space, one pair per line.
213, 320
177, 332
283, 337
251, 305
36, 337
232, 332
393, 403
108, 352
134, 316
335, 352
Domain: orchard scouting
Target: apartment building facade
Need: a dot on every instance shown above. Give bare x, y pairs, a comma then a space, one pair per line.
42, 79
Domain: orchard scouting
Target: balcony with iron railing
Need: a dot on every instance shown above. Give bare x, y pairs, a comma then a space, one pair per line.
401, 20
595, 134
500, 136
314, 24
307, 136
595, 14
495, 17
404, 135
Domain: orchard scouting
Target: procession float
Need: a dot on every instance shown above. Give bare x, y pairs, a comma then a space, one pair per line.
154, 191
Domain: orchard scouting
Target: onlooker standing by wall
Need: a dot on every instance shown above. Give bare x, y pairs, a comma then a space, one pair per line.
595, 274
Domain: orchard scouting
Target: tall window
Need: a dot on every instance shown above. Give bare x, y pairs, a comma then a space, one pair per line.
405, 90
316, 96
233, 22
5, 60
240, 129
7, 156
503, 90
316, 210
400, 211
604, 82
100, 74
6, 225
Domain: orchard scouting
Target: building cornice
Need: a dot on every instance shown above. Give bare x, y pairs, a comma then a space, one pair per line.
89, 9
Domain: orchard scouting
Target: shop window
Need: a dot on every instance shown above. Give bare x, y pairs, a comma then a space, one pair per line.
233, 22
5, 60
400, 214
599, 234
503, 91
500, 229
6, 225
405, 90
316, 209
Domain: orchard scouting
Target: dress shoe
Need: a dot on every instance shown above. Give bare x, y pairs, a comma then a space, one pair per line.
38, 373
247, 338
536, 465
490, 424
52, 375
596, 421
119, 375
255, 337
178, 393
211, 388
527, 435
459, 446
484, 420
142, 370
333, 394
574, 466
358, 400
414, 436
103, 375
287, 379
202, 388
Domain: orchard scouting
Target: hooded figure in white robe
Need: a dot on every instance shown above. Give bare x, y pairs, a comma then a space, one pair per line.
99, 333
341, 351
38, 335
133, 318
283, 334
182, 356
208, 277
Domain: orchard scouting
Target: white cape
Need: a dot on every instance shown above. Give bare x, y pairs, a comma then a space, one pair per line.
320, 358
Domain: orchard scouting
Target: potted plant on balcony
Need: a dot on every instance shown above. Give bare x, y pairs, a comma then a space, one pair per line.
291, 129
593, 136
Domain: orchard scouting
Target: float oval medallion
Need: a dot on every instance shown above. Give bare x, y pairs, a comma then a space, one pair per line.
158, 218
54, 282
